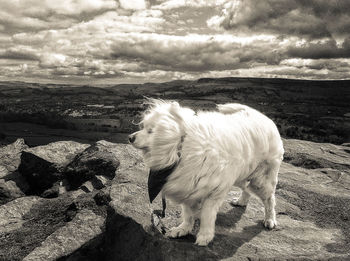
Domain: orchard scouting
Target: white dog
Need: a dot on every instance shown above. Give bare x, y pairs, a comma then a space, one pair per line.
211, 152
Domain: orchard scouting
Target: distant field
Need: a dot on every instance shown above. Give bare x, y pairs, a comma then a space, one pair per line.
309, 110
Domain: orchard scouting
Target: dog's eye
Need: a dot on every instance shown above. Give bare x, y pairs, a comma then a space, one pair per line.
149, 131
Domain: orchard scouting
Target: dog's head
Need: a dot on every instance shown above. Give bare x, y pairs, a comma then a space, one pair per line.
161, 131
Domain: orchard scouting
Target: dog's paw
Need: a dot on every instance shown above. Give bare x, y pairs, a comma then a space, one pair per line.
270, 223
203, 239
179, 231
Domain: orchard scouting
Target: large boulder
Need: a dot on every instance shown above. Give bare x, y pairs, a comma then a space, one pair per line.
60, 152
97, 160
42, 166
39, 173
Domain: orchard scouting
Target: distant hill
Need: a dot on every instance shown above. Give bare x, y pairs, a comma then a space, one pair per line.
303, 109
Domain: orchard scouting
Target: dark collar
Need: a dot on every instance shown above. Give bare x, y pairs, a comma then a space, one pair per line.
157, 178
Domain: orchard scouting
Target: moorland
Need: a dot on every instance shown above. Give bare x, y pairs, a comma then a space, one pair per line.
318, 111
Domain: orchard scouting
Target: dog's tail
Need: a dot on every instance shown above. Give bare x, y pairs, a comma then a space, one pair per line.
231, 108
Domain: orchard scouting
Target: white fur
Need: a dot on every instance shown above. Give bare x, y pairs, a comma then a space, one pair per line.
235, 145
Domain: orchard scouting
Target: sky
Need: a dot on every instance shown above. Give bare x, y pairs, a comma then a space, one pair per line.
136, 41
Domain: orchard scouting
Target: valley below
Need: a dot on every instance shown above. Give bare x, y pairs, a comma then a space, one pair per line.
40, 113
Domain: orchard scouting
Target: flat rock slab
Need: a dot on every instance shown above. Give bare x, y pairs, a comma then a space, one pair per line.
61, 152
312, 212
312, 155
85, 226
11, 214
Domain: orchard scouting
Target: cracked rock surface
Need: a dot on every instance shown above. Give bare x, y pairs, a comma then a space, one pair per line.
115, 221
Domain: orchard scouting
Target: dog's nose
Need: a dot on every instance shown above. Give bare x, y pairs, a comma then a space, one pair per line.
132, 138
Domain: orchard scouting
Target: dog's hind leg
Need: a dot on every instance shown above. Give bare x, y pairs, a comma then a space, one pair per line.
263, 184
187, 223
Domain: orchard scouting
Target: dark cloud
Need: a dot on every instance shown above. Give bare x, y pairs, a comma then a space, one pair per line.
321, 50
333, 65
177, 53
307, 18
19, 54
192, 53
36, 15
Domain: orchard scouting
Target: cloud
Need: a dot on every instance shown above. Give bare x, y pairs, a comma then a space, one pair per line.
53, 60
319, 64
36, 15
192, 52
313, 19
321, 50
160, 40
133, 4
174, 4
75, 7
19, 53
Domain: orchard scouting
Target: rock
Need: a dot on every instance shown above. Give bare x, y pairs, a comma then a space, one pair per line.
102, 198
42, 165
39, 173
61, 152
68, 222
9, 191
10, 157
311, 210
85, 227
119, 223
87, 186
95, 160
52, 192
12, 184
100, 181
11, 214
311, 155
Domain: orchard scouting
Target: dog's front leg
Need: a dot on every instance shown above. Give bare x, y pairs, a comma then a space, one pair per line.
187, 223
207, 222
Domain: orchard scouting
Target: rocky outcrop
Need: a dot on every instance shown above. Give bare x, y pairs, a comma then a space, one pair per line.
117, 222
304, 196
52, 169
43, 166
94, 163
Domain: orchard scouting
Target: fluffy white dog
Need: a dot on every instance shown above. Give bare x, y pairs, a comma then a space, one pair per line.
208, 153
